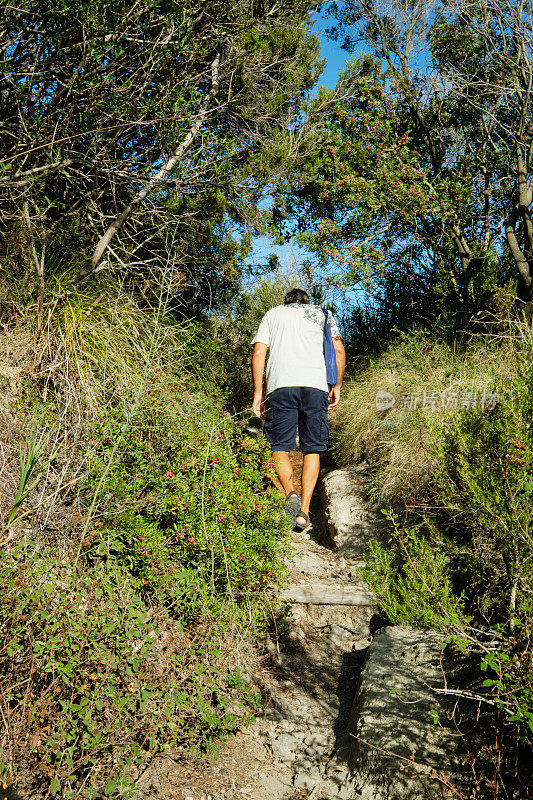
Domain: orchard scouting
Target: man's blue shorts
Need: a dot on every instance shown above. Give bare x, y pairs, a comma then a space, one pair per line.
292, 407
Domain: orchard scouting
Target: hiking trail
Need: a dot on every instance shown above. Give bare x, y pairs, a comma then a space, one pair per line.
298, 748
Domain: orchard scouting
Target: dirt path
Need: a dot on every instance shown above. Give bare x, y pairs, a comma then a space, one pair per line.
297, 750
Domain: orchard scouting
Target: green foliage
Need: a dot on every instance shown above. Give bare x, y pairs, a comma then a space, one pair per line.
418, 370
369, 204
461, 562
75, 66
30, 471
511, 684
410, 167
97, 681
414, 582
484, 477
121, 634
186, 495
113, 344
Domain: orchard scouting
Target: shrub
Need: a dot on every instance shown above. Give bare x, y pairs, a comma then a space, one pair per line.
127, 611
414, 583
484, 480
95, 681
420, 371
185, 492
462, 560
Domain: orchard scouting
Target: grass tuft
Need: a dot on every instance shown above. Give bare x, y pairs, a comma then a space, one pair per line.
420, 369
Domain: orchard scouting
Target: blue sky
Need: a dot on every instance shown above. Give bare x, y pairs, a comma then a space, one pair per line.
336, 57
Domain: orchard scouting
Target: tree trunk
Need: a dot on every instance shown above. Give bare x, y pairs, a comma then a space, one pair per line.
39, 266
525, 274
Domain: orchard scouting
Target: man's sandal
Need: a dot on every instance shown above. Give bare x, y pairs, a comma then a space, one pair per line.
292, 505
298, 526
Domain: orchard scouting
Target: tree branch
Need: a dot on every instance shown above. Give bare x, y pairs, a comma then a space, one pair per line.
118, 223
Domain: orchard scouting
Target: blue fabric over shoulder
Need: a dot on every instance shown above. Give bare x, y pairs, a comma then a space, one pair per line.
329, 353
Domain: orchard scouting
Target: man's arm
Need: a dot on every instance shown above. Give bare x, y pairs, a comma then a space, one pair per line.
258, 368
340, 355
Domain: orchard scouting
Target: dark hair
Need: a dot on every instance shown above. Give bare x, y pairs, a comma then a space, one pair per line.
296, 296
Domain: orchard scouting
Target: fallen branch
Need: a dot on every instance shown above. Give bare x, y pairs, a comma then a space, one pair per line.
473, 696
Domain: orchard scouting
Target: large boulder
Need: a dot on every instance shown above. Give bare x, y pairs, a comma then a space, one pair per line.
404, 744
350, 524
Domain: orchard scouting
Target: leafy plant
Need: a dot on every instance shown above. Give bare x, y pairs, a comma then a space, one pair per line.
186, 491
461, 561
414, 582
96, 681
484, 467
123, 629
30, 473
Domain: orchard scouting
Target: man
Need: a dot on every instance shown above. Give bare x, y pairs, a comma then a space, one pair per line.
297, 393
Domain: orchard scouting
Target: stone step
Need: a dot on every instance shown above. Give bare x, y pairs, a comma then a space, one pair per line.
325, 594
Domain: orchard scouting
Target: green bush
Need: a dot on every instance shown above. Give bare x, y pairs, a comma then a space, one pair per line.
185, 491
419, 369
413, 581
124, 623
484, 480
462, 562
96, 681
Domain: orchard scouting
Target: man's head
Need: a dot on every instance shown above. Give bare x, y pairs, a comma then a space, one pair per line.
296, 296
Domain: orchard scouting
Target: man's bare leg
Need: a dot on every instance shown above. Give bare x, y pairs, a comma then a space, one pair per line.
310, 470
283, 465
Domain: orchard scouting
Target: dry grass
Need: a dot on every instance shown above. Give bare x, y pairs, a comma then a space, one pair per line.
107, 346
395, 441
94, 355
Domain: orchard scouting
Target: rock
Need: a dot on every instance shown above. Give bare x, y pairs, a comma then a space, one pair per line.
273, 714
397, 748
305, 764
315, 751
284, 746
338, 788
319, 740
305, 782
286, 725
350, 525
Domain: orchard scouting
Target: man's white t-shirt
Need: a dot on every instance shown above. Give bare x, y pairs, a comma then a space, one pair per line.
294, 335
